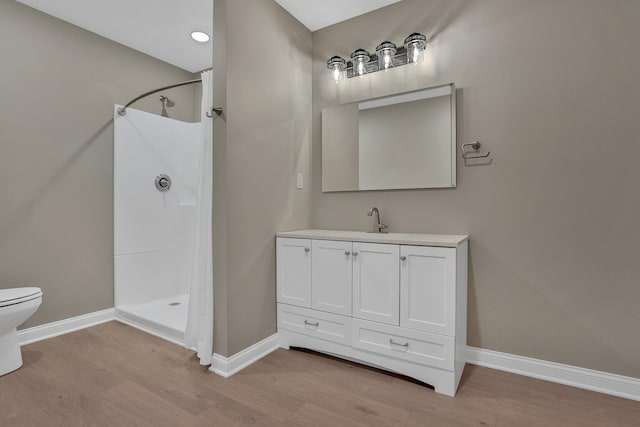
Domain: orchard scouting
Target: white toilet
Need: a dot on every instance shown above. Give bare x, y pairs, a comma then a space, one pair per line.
16, 306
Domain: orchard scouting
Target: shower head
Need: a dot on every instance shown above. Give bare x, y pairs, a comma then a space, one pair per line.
166, 103
169, 103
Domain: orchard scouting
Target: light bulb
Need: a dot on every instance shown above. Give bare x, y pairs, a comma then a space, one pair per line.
386, 61
336, 74
415, 54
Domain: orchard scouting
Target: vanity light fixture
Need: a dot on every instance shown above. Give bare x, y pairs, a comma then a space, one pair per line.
337, 65
387, 55
200, 36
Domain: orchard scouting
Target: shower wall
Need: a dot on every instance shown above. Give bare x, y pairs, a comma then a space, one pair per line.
153, 231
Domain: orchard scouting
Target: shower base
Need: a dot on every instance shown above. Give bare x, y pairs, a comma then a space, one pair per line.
165, 318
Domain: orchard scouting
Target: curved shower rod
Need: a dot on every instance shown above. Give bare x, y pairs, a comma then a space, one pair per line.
122, 111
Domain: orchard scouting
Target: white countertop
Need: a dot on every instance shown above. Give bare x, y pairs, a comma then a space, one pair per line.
441, 240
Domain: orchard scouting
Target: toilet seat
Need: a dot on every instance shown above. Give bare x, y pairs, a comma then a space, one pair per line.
18, 295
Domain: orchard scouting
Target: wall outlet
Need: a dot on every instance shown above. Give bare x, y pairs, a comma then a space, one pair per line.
300, 181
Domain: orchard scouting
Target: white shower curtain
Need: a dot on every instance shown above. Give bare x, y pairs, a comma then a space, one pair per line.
199, 332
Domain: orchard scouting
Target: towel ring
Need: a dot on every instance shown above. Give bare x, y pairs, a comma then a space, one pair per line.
475, 146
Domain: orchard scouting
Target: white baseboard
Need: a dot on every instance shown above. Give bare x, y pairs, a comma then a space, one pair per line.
227, 366
155, 331
602, 382
61, 327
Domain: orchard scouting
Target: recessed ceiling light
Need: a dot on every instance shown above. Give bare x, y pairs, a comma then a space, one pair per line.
200, 37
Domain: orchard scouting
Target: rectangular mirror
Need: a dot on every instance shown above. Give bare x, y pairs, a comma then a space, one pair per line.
403, 141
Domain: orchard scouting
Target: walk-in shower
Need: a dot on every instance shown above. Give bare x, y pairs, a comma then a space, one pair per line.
155, 200
161, 187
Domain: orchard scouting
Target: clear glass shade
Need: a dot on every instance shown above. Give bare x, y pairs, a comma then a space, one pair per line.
337, 65
415, 45
414, 53
359, 67
360, 58
385, 61
386, 52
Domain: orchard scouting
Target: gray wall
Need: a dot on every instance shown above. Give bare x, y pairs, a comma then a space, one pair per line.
550, 87
58, 85
263, 80
219, 87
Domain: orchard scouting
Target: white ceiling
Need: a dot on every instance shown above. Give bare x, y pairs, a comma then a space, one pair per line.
159, 28
316, 14
162, 28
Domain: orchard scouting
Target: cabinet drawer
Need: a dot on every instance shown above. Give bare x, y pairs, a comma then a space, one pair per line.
318, 324
406, 344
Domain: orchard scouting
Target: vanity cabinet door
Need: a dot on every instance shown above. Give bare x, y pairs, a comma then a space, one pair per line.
293, 271
376, 279
428, 289
331, 276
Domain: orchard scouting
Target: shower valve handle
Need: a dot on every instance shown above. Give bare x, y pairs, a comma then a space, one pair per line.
163, 183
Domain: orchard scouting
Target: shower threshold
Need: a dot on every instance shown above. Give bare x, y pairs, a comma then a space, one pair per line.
165, 318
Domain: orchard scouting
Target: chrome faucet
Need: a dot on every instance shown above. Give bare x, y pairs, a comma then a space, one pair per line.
378, 227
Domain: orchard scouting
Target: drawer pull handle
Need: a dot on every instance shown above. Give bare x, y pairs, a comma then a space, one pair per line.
405, 345
315, 325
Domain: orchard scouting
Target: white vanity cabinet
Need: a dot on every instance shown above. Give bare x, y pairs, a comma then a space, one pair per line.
394, 301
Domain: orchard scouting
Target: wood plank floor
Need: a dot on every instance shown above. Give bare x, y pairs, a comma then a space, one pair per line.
114, 375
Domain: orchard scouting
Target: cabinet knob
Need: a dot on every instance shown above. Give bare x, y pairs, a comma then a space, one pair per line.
403, 258
347, 253
355, 254
307, 249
